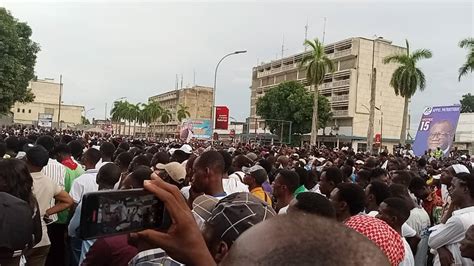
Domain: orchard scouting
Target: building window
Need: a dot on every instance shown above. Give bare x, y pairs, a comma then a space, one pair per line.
23, 110
18, 110
29, 111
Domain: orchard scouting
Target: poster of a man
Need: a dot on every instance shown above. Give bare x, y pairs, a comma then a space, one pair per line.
186, 133
441, 135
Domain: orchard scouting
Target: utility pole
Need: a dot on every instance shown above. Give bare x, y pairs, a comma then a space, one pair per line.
60, 99
370, 130
105, 112
324, 29
306, 33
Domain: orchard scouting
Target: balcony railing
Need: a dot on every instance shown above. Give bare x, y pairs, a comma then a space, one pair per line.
340, 83
339, 98
342, 53
340, 112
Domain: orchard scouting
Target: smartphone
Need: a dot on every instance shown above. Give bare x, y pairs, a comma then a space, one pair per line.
115, 212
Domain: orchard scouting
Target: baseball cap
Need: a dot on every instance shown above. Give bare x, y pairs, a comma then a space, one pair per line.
175, 170
36, 155
359, 162
257, 172
252, 156
203, 206
236, 213
186, 148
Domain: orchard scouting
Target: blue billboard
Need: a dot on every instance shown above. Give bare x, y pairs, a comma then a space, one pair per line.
436, 129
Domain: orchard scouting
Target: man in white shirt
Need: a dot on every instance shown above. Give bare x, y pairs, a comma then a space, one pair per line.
44, 190
446, 238
107, 150
395, 211
86, 182
284, 187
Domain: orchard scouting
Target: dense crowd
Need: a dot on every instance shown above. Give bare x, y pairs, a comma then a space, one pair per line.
236, 203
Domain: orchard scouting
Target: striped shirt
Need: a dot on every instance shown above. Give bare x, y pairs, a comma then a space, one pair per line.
57, 172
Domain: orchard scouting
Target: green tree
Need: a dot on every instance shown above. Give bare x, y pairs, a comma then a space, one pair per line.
407, 79
151, 113
118, 113
135, 116
182, 112
17, 61
317, 65
468, 66
165, 117
85, 121
467, 103
290, 101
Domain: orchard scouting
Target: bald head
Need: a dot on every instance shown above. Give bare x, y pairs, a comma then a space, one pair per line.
311, 240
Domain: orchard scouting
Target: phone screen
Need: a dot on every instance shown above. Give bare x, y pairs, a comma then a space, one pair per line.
118, 212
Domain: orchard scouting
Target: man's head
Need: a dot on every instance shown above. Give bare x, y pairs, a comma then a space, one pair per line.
108, 176
135, 179
467, 244
137, 161
240, 161
441, 134
419, 188
363, 177
123, 160
330, 178
77, 148
348, 200
173, 173
312, 203
36, 157
375, 193
90, 158
462, 190
232, 216
255, 176
401, 177
285, 184
107, 150
282, 162
379, 174
395, 212
47, 142
61, 152
208, 170
303, 240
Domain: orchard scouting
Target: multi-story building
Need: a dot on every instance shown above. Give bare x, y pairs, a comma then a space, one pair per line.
347, 89
198, 99
46, 104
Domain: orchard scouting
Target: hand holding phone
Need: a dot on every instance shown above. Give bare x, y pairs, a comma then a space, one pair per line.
106, 213
183, 241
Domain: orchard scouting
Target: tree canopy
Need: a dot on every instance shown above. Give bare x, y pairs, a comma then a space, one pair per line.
467, 103
17, 61
292, 102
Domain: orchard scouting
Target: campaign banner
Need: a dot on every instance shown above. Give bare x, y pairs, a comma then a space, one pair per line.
195, 128
436, 129
45, 120
222, 117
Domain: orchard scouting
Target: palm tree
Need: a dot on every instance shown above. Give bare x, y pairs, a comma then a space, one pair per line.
118, 113
165, 117
135, 115
182, 112
469, 65
317, 65
407, 78
151, 113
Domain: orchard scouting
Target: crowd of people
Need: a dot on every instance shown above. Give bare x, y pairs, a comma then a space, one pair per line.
234, 204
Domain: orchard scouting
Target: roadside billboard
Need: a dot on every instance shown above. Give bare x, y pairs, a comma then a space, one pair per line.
436, 129
45, 120
222, 117
195, 128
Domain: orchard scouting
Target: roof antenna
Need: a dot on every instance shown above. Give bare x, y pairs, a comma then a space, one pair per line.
324, 29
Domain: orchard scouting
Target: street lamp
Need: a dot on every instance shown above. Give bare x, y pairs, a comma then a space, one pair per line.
118, 99
214, 94
87, 111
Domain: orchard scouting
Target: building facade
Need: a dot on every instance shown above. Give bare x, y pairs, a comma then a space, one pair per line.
347, 89
464, 137
198, 99
46, 103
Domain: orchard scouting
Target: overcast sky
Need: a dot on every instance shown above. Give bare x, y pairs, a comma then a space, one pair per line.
108, 50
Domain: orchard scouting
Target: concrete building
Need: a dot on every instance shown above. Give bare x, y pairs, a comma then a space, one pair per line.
347, 89
198, 99
464, 138
46, 104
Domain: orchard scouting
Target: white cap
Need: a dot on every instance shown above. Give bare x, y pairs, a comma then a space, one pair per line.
438, 176
186, 148
359, 162
463, 156
459, 168
321, 159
